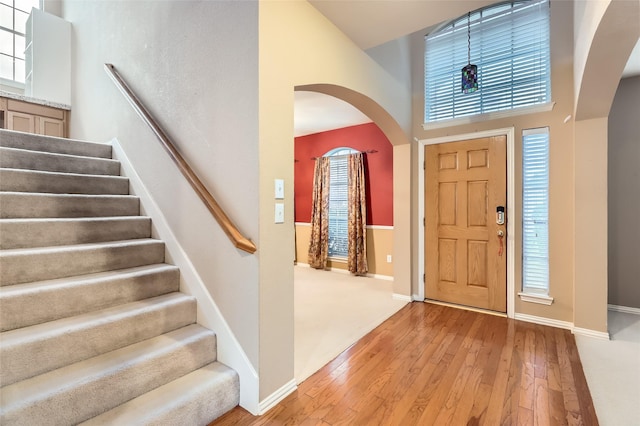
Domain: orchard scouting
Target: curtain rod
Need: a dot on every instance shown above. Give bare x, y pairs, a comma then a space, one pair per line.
369, 151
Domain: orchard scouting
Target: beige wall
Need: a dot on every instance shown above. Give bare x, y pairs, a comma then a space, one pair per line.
186, 61
598, 71
300, 48
561, 165
379, 245
624, 195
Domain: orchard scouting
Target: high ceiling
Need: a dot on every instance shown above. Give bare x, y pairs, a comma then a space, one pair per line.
370, 23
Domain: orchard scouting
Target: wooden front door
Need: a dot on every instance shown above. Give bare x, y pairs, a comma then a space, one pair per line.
465, 258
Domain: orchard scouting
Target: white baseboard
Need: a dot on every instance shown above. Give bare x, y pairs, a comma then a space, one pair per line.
624, 309
273, 399
602, 335
544, 321
229, 350
402, 297
562, 324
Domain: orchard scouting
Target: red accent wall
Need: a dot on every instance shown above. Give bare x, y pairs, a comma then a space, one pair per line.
378, 169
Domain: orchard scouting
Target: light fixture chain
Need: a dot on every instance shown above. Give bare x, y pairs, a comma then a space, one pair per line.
469, 38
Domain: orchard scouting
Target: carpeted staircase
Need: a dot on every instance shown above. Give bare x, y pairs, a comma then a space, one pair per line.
93, 326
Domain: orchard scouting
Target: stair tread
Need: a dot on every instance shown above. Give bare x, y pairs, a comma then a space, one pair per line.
78, 247
9, 291
42, 143
80, 196
27, 220
60, 155
29, 391
152, 405
48, 173
36, 349
87, 320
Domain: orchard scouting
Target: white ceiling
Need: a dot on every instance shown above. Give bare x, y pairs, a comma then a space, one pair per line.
374, 22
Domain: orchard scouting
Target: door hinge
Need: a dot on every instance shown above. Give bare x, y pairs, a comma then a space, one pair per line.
424, 165
423, 278
424, 221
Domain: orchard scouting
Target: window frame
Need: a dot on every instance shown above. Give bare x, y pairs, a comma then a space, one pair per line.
339, 154
14, 32
479, 106
535, 208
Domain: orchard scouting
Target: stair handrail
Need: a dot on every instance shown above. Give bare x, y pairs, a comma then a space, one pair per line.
236, 237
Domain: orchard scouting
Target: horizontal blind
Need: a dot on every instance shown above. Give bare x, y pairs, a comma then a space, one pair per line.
510, 45
535, 211
339, 201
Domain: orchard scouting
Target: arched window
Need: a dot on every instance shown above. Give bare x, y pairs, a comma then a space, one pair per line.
509, 42
338, 201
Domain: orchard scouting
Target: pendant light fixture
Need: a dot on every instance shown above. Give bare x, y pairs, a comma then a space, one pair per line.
469, 72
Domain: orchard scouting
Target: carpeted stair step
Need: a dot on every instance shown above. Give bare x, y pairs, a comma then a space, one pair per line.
32, 205
184, 401
24, 233
14, 158
37, 264
83, 390
22, 305
17, 180
33, 142
30, 351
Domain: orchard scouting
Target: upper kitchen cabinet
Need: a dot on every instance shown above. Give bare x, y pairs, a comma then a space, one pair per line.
48, 58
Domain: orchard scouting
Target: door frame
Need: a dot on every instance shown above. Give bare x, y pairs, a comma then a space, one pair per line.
509, 132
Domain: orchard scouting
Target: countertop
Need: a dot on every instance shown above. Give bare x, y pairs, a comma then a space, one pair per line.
31, 100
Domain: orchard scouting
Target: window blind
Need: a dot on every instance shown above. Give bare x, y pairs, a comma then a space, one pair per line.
510, 45
339, 201
535, 211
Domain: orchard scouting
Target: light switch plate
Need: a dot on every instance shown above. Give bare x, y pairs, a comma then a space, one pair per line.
279, 213
279, 189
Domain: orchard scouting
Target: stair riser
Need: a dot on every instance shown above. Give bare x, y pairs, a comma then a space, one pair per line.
90, 335
92, 390
20, 205
23, 268
55, 145
12, 158
215, 382
24, 307
61, 183
46, 233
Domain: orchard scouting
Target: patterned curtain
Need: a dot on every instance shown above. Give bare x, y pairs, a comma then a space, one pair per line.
357, 261
319, 243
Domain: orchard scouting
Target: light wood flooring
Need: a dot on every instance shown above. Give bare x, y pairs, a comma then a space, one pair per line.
436, 365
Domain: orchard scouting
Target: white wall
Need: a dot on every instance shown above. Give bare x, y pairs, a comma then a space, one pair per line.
195, 65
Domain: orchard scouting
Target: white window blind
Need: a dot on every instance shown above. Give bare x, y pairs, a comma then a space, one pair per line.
339, 201
535, 211
510, 46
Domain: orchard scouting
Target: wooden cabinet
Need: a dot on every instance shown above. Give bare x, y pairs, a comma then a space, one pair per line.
30, 117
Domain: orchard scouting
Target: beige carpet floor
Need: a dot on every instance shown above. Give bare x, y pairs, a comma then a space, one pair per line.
332, 311
612, 369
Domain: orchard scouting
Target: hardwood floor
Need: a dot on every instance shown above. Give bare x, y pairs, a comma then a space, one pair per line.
435, 365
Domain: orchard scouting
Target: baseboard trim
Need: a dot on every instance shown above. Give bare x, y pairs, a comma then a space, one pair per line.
402, 297
624, 309
544, 321
229, 350
272, 400
602, 335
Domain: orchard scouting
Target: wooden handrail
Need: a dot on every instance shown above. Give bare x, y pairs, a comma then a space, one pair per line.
240, 241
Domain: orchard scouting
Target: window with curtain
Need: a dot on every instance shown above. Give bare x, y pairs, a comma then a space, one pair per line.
338, 201
509, 44
13, 23
535, 211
